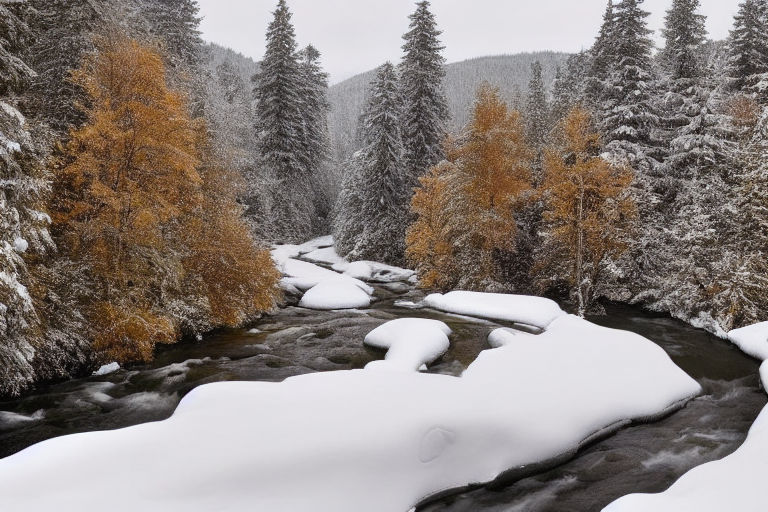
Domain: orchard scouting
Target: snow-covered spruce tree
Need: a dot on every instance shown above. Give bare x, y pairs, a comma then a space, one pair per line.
537, 108
63, 34
315, 110
380, 216
568, 88
426, 110
748, 45
175, 23
603, 51
280, 129
21, 192
696, 207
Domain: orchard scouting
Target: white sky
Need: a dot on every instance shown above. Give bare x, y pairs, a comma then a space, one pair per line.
358, 35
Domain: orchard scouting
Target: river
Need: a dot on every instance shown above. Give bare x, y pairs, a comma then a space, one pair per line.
295, 341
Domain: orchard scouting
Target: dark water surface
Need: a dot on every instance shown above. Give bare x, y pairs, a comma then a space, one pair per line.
294, 341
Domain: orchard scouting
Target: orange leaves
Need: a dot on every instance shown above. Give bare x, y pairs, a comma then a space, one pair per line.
587, 205
466, 208
141, 207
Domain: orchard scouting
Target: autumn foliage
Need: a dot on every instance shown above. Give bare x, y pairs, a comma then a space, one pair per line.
587, 209
466, 207
141, 208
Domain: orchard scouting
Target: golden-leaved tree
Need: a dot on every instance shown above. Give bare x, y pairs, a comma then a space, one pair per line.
139, 208
466, 207
588, 210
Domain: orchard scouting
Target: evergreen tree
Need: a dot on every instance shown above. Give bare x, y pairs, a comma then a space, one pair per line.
568, 88
381, 218
281, 130
426, 109
603, 52
175, 23
685, 33
64, 31
627, 116
537, 108
15, 35
315, 110
748, 44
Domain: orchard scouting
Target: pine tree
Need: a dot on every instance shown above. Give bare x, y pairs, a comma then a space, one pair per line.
24, 234
588, 207
569, 86
426, 110
383, 192
748, 44
537, 108
603, 52
63, 34
175, 23
627, 115
685, 33
315, 110
281, 131
15, 35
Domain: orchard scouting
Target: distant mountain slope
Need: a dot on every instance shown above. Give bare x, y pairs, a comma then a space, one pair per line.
219, 54
510, 73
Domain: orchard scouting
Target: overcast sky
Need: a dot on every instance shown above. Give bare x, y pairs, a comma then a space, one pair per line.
358, 35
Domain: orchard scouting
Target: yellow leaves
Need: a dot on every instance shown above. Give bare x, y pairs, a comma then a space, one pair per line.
139, 203
466, 208
588, 208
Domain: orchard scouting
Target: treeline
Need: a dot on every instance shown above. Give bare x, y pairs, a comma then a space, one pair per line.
122, 199
640, 178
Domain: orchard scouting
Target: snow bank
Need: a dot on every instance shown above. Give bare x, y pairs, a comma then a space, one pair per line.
536, 311
733, 483
411, 343
503, 337
357, 440
752, 340
335, 294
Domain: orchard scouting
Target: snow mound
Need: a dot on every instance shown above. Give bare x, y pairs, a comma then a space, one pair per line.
503, 337
335, 294
411, 343
358, 440
107, 369
536, 311
752, 340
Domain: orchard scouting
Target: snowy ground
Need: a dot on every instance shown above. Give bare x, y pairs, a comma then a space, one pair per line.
380, 439
733, 483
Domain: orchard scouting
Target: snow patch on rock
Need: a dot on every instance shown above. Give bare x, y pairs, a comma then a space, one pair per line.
535, 311
411, 343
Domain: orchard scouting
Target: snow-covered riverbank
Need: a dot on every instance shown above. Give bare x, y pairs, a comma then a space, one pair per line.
733, 483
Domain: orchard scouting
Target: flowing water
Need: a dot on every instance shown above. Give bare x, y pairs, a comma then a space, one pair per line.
294, 341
